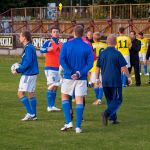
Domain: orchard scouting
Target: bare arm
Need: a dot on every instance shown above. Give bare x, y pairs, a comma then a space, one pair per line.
126, 72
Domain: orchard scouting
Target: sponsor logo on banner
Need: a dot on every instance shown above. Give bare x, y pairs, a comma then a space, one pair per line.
6, 42
38, 41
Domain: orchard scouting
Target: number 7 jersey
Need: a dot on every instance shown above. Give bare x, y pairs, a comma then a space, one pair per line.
123, 44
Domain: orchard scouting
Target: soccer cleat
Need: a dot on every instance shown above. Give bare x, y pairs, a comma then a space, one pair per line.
104, 119
53, 109
29, 117
67, 126
146, 74
97, 102
115, 122
34, 118
78, 130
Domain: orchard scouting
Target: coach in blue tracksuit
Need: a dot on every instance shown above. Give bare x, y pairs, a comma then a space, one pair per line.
29, 70
111, 63
76, 59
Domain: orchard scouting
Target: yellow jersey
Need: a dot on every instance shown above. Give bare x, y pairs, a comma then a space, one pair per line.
123, 44
98, 47
144, 45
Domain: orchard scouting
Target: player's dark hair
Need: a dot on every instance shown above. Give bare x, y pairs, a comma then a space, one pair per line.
121, 29
132, 31
27, 35
54, 27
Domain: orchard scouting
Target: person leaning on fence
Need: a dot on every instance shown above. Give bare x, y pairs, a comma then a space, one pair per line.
29, 70
76, 58
111, 63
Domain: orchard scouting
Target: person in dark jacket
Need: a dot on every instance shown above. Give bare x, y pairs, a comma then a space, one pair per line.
147, 58
134, 57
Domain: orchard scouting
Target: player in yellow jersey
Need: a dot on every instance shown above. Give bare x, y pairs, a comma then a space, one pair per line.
123, 44
98, 46
143, 51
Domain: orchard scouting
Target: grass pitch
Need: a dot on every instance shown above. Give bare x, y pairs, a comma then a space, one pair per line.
133, 133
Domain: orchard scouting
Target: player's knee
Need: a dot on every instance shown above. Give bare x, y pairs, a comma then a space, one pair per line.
31, 94
64, 96
52, 87
20, 94
79, 99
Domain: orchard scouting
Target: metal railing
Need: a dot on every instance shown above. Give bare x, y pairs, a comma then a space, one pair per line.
119, 11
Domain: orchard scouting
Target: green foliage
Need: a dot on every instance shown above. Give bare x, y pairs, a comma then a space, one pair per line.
6, 4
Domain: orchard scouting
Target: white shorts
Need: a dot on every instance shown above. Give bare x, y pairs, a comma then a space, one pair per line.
79, 87
27, 83
142, 56
52, 76
127, 58
93, 77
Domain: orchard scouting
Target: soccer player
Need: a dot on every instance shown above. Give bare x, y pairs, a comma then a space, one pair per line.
29, 70
111, 63
51, 49
76, 58
98, 47
143, 51
123, 45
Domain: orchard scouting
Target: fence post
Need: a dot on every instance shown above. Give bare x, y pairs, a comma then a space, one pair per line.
40, 13
110, 12
130, 11
25, 13
92, 11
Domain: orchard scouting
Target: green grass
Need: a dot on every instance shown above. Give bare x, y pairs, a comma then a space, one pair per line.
133, 133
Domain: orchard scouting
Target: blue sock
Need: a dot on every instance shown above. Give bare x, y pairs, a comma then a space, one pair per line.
26, 104
140, 68
100, 93
96, 90
53, 98
49, 97
79, 114
66, 110
124, 80
145, 68
33, 104
70, 102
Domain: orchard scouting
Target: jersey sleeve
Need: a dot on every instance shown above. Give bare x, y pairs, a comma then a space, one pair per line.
45, 46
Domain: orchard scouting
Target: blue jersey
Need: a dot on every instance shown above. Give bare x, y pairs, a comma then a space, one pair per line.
76, 55
48, 44
29, 63
110, 61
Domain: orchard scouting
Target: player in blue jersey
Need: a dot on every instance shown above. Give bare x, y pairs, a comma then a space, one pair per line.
28, 69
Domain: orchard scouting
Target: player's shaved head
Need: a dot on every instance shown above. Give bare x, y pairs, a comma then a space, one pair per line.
111, 40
